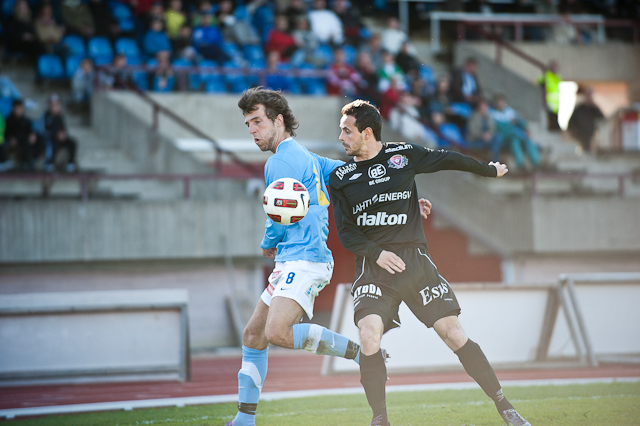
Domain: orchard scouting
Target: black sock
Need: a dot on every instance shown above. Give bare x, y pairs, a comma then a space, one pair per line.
352, 350
477, 366
373, 376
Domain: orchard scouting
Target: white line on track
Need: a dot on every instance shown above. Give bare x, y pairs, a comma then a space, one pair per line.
272, 396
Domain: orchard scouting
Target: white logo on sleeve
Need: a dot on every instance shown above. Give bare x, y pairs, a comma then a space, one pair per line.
355, 176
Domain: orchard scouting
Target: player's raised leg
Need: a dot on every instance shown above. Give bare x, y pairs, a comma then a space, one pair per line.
373, 371
477, 366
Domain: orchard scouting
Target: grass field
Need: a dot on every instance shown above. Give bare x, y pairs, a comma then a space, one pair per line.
615, 404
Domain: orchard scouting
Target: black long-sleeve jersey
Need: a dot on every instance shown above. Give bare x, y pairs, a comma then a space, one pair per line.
375, 202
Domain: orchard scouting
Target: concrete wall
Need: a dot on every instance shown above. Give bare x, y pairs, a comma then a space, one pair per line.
58, 231
515, 224
125, 120
609, 62
521, 93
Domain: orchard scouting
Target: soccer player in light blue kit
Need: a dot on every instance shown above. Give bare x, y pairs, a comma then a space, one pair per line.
303, 263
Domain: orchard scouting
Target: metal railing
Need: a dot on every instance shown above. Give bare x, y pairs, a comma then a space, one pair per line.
518, 21
578, 178
87, 180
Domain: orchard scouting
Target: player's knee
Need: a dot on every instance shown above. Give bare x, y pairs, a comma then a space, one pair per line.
277, 335
369, 338
254, 338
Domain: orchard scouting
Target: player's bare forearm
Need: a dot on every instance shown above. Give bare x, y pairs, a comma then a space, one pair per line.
500, 168
270, 252
390, 262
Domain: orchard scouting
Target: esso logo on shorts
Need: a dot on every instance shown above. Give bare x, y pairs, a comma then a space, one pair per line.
377, 171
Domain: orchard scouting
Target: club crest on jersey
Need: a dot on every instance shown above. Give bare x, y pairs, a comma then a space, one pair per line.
398, 161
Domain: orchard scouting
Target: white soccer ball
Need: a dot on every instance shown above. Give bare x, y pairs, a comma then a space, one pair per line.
286, 201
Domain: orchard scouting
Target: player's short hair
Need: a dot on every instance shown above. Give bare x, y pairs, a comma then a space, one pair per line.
274, 104
366, 115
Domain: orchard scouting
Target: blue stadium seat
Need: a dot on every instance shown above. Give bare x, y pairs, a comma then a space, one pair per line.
324, 53
198, 78
427, 74
181, 63
316, 87
284, 82
100, 50
123, 15
50, 67
237, 83
128, 47
462, 109
6, 103
451, 135
8, 89
71, 64
171, 81
74, 45
214, 83
140, 79
263, 20
252, 52
234, 53
350, 53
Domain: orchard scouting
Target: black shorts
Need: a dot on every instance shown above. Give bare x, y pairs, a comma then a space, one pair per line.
420, 286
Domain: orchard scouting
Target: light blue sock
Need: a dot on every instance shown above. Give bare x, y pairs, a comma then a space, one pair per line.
315, 338
250, 379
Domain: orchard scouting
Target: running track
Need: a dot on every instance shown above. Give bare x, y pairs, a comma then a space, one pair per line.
288, 371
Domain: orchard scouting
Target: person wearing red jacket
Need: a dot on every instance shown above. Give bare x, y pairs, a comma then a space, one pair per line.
280, 39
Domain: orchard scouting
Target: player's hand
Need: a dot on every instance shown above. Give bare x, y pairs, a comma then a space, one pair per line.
390, 262
425, 207
501, 168
270, 253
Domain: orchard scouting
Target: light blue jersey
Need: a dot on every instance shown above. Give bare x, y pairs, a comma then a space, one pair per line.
307, 239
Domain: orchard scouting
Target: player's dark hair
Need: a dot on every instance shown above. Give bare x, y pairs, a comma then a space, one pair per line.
366, 115
274, 104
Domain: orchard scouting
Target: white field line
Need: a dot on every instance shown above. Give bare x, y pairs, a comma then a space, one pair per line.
272, 396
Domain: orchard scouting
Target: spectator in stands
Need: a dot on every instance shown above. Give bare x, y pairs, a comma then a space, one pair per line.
5, 163
77, 18
393, 37
140, 7
390, 71
23, 142
58, 137
533, 33
513, 133
550, 82
117, 76
306, 41
391, 96
239, 31
421, 89
374, 48
105, 23
156, 40
369, 86
584, 121
162, 79
82, 84
296, 10
407, 61
547, 7
20, 33
155, 13
565, 32
182, 47
342, 78
174, 19
280, 39
326, 24
47, 29
204, 7
351, 23
207, 39
405, 118
481, 130
465, 86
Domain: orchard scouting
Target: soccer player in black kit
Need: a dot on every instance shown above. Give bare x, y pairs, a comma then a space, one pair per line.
375, 205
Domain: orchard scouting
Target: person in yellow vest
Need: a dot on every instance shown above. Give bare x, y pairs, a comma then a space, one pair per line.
550, 81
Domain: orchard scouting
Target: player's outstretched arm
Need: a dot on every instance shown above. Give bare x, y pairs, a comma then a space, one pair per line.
270, 252
390, 262
501, 168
